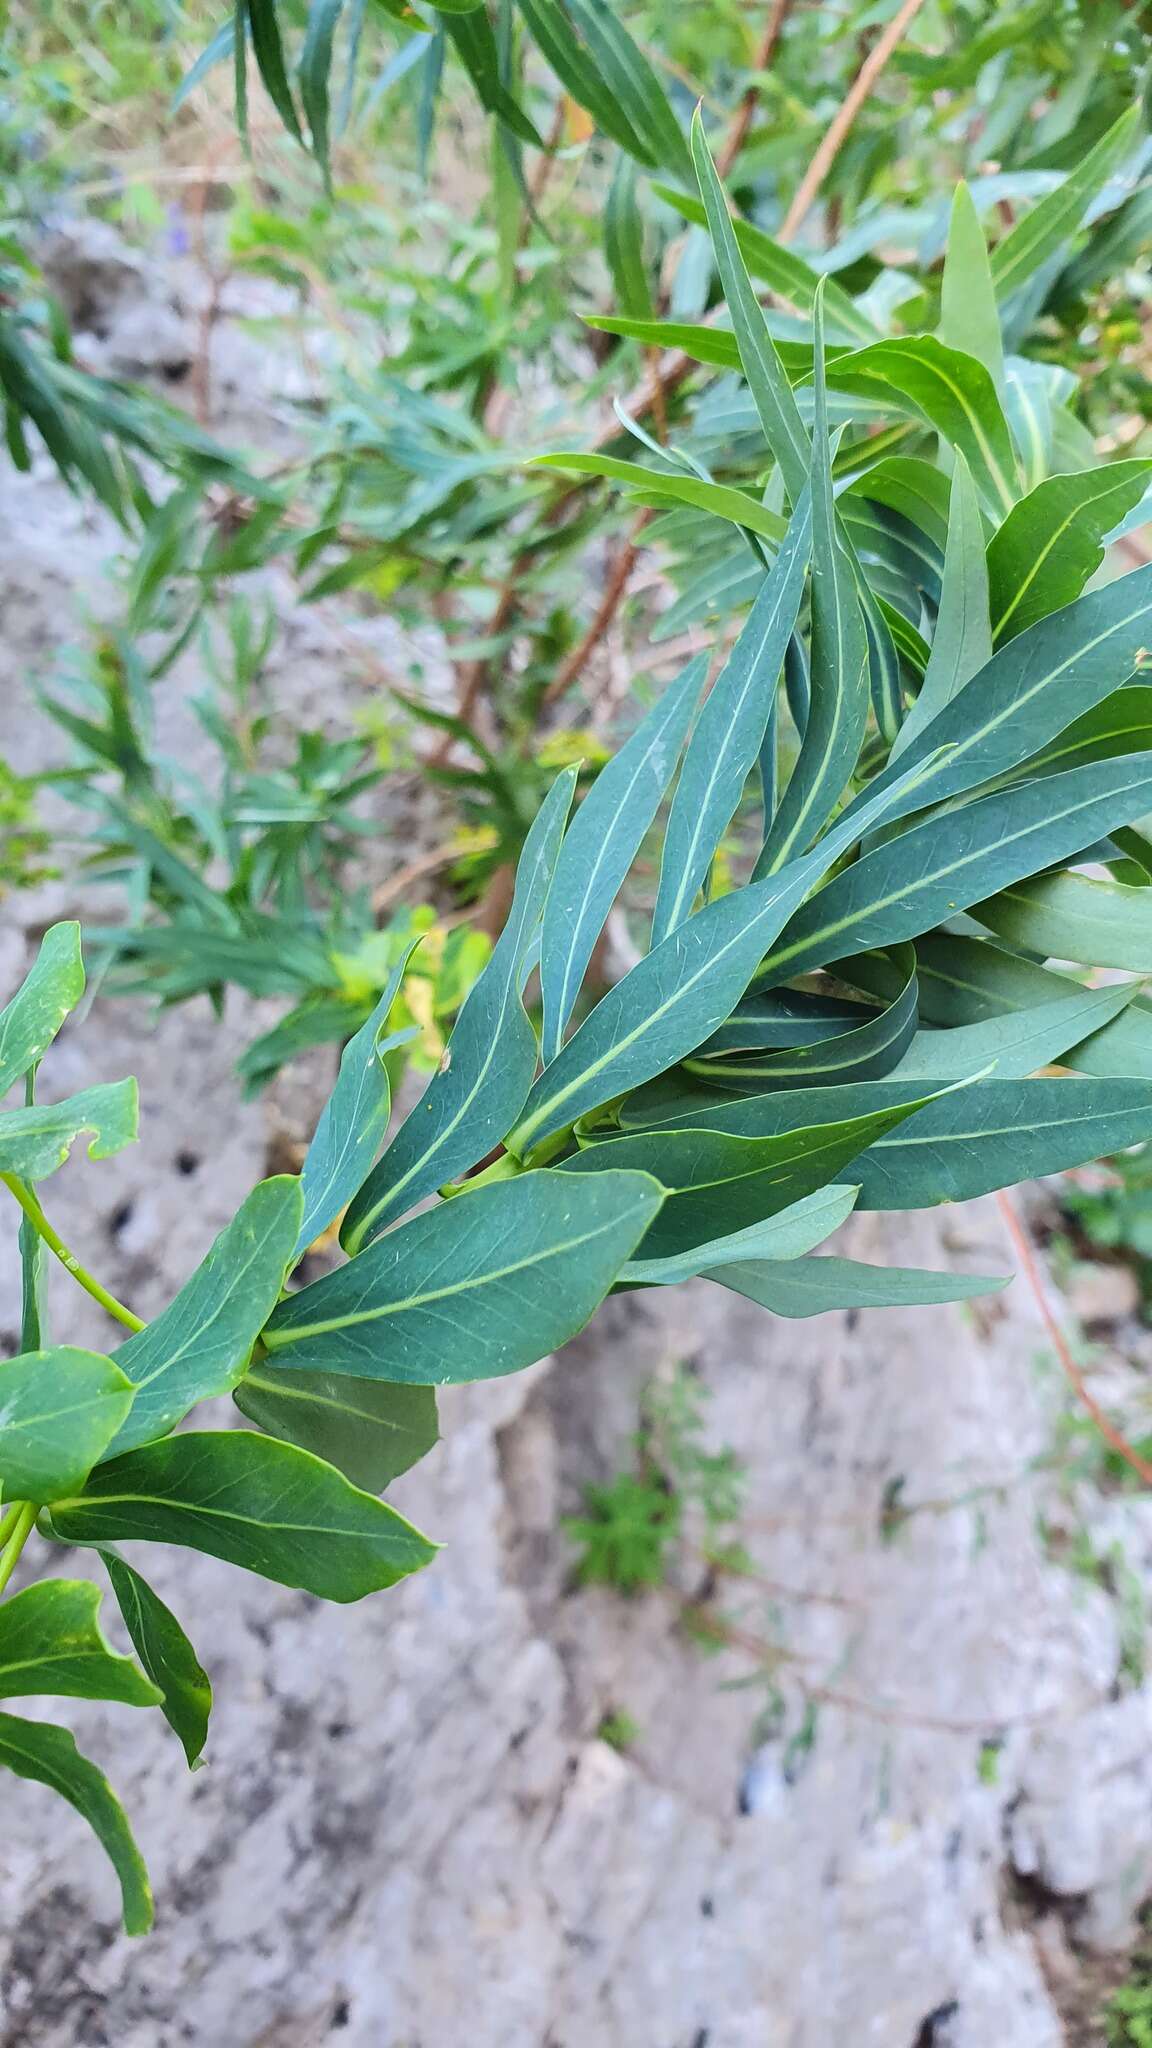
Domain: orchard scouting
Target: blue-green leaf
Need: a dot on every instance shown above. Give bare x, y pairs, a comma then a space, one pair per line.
52, 988
962, 640
59, 1411
36, 1750
166, 1654
35, 1141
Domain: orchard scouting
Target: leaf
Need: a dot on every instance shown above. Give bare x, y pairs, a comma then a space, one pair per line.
601, 843
729, 730
475, 44
316, 73
624, 242
793, 1231
352, 1123
682, 992
952, 392
166, 1654
256, 1503
812, 1287
201, 1343
907, 484
491, 1056
1052, 542
1045, 228
956, 858
1075, 917
655, 487
1122, 724
969, 319
1016, 1044
767, 379
782, 269
866, 1051
51, 1641
962, 640
34, 1749
1030, 690
553, 32
214, 52
718, 1183
838, 704
632, 83
370, 1431
714, 345
482, 1286
35, 1141
268, 51
59, 1411
52, 988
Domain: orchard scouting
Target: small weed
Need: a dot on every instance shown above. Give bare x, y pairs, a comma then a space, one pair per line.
619, 1730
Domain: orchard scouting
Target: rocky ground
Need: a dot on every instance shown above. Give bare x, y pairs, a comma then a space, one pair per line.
909, 1800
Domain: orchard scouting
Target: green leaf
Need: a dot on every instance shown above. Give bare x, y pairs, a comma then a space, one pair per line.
683, 991
166, 1654
864, 1052
956, 858
729, 730
962, 640
51, 1641
201, 1343
59, 1411
1030, 690
781, 269
256, 1503
268, 51
482, 1286
793, 1231
1074, 917
632, 83
316, 73
907, 484
624, 242
952, 392
36, 1750
657, 487
969, 319
35, 1141
1015, 1044
491, 1055
838, 706
1051, 542
719, 1183
214, 52
784, 430
713, 345
812, 1287
601, 843
353, 1121
370, 1431
581, 76
54, 986
967, 981
475, 44
1045, 228
1122, 724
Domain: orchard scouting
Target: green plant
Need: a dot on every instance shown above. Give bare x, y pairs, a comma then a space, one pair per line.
1128, 2012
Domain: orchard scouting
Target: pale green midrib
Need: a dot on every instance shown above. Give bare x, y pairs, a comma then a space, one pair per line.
83, 1653
94, 1400
902, 895
738, 287
788, 1063
800, 1155
991, 459
1056, 1123
840, 695
1107, 491
94, 1502
1056, 752
193, 1342
314, 1400
276, 1342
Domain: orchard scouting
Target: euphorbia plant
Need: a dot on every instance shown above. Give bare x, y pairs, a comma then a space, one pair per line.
838, 1030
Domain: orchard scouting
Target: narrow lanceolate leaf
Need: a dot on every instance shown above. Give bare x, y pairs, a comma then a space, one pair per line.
990, 1134
353, 1121
838, 704
491, 1057
966, 981
472, 35
1046, 226
957, 858
624, 243
370, 1431
1122, 724
952, 392
477, 1288
729, 730
668, 487
767, 380
1030, 690
59, 1411
685, 988
35, 1141
264, 1506
51, 1641
316, 72
789, 1235
49, 1756
782, 270
864, 1052
200, 1344
556, 38
1051, 542
812, 1287
602, 842
969, 318
632, 83
268, 51
718, 1183
1014, 1045
1075, 917
29, 1023
166, 1654
962, 641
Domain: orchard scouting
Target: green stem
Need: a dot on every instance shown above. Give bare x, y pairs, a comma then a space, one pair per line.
18, 1535
56, 1244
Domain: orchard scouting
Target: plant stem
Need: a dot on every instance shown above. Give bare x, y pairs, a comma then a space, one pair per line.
846, 114
18, 1535
56, 1244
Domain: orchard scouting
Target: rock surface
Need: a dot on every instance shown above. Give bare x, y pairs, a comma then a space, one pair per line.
923, 1726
